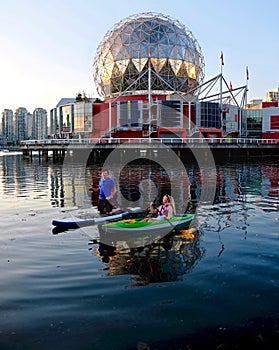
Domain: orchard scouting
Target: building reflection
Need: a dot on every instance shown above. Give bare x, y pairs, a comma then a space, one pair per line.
20, 178
270, 181
140, 183
165, 260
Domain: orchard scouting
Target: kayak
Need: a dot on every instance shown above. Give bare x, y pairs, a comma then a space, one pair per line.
130, 226
138, 233
76, 222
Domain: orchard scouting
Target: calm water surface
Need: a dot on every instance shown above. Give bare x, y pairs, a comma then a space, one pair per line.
214, 288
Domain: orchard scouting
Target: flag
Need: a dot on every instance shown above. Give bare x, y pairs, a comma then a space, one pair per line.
231, 86
222, 58
247, 73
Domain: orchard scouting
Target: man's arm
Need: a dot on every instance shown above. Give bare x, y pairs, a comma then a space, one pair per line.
112, 194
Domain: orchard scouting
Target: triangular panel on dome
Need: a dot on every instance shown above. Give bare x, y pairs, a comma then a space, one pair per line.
172, 38
188, 57
176, 52
164, 51
106, 77
164, 40
175, 64
107, 58
116, 41
117, 52
139, 63
124, 52
158, 63
191, 70
148, 25
116, 71
137, 36
166, 69
122, 65
116, 84
107, 71
131, 69
129, 28
125, 37
182, 72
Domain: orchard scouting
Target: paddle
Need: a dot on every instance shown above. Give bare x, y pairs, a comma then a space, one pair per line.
134, 214
171, 224
148, 211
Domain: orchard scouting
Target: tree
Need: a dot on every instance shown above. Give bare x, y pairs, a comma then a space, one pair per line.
82, 97
97, 100
79, 97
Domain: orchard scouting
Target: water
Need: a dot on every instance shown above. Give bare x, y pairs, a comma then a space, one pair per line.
215, 288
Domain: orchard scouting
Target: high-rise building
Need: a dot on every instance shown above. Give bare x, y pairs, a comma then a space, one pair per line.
39, 124
8, 125
20, 123
29, 125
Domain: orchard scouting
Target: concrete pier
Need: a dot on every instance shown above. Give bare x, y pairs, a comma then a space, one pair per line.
186, 149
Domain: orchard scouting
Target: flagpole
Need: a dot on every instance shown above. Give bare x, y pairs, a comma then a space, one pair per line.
149, 87
221, 89
245, 101
247, 78
149, 75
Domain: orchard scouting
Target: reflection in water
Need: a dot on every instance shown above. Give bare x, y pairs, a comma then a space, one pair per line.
165, 260
227, 274
22, 179
66, 185
141, 182
238, 188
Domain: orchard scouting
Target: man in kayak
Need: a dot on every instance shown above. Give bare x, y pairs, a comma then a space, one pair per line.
165, 211
107, 191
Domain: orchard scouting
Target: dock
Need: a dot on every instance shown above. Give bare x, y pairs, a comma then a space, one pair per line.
221, 148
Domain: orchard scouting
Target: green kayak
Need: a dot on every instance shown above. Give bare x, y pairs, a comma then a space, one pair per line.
130, 226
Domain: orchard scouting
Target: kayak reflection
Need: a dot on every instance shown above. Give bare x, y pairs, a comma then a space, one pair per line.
165, 260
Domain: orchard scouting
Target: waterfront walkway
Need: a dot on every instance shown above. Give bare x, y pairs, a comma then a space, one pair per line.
173, 142
221, 148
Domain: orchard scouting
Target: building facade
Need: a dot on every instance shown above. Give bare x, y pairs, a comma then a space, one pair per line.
29, 126
20, 123
8, 135
71, 118
39, 124
261, 120
23, 125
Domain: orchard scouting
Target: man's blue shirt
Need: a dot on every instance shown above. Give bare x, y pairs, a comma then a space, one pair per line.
106, 187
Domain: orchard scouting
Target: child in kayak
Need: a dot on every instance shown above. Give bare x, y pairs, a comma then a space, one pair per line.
165, 211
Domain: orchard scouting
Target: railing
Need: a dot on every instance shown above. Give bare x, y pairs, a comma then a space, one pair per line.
100, 141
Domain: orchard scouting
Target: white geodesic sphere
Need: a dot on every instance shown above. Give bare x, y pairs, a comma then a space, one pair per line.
142, 42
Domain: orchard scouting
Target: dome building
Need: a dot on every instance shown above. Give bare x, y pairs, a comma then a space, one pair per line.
149, 70
148, 52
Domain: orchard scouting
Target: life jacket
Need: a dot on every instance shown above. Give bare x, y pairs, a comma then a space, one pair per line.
163, 209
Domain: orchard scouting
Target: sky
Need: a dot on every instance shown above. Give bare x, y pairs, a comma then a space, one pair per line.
48, 47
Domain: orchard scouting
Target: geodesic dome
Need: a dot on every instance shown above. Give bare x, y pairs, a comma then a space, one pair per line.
148, 51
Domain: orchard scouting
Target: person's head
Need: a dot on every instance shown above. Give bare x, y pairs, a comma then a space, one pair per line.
166, 198
104, 173
169, 199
